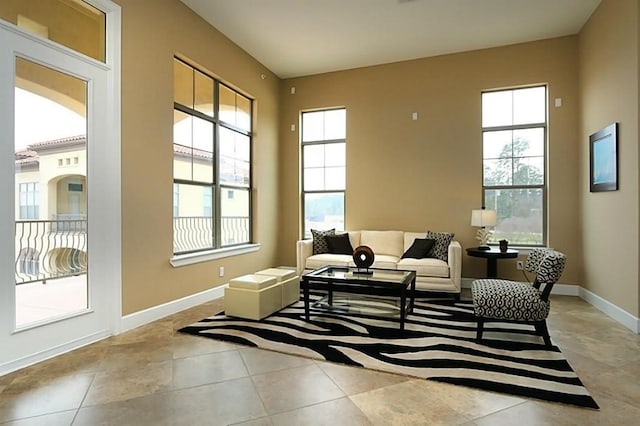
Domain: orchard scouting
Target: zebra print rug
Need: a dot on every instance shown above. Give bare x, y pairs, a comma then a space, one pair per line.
438, 344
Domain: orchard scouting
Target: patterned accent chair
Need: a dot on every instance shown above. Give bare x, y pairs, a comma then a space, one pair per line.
496, 300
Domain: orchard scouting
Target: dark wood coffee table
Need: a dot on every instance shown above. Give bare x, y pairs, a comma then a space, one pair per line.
379, 282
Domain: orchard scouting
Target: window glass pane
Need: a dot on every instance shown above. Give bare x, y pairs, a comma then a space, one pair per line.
182, 128
193, 227
182, 83
182, 151
497, 144
528, 171
202, 166
243, 118
182, 162
202, 134
334, 154
335, 124
528, 142
519, 214
313, 155
334, 178
314, 179
234, 157
50, 146
529, 105
497, 109
323, 211
227, 105
74, 24
497, 172
234, 207
203, 93
313, 126
243, 147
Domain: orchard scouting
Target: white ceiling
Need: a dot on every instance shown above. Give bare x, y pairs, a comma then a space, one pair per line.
295, 38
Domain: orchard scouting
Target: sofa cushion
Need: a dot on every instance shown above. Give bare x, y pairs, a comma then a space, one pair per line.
440, 249
320, 240
383, 242
319, 260
339, 244
427, 267
419, 249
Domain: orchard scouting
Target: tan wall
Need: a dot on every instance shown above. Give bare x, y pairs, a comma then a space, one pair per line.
426, 174
150, 38
608, 46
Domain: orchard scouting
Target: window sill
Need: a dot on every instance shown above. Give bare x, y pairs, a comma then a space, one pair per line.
205, 256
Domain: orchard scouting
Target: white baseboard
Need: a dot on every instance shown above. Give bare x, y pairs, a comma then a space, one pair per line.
26, 361
615, 312
154, 313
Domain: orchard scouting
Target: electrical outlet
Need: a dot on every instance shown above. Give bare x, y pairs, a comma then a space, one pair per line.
221, 271
519, 265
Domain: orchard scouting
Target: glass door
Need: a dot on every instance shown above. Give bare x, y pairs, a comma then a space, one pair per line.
59, 168
51, 238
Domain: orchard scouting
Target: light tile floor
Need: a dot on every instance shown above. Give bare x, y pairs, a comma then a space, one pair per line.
155, 376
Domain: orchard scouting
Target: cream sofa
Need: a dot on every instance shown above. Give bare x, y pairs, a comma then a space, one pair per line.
431, 274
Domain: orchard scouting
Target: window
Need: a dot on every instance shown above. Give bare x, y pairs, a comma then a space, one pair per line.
323, 169
514, 134
212, 158
29, 200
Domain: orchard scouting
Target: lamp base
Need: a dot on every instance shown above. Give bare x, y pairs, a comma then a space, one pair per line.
484, 248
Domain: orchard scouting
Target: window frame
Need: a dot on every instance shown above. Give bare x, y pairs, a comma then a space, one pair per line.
514, 127
217, 186
323, 142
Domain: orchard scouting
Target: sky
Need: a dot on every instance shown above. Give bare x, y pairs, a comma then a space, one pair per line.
39, 119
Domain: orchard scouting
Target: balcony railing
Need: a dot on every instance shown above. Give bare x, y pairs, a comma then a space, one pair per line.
47, 249
193, 233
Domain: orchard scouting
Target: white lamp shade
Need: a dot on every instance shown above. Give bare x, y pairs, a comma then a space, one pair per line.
483, 217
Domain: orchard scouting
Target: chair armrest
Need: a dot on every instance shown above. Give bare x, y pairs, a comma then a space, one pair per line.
455, 263
304, 249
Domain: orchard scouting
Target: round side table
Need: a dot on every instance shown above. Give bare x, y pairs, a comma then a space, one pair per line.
492, 257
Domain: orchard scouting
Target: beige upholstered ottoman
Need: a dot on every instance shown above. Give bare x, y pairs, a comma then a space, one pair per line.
252, 296
290, 283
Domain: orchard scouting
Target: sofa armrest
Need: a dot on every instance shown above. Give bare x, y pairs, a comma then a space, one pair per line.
455, 263
304, 249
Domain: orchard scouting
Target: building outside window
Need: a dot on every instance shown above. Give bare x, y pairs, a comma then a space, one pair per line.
514, 136
212, 156
29, 200
323, 169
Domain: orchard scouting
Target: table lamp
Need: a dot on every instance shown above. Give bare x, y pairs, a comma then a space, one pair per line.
483, 218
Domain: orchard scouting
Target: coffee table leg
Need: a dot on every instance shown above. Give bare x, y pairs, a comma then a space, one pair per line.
412, 296
305, 288
403, 307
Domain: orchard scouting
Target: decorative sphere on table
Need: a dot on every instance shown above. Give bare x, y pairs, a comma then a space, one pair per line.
363, 257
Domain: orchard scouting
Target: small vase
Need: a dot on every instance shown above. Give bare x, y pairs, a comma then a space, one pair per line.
504, 245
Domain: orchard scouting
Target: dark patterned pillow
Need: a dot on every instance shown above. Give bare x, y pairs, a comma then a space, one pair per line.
320, 240
339, 244
419, 249
440, 249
